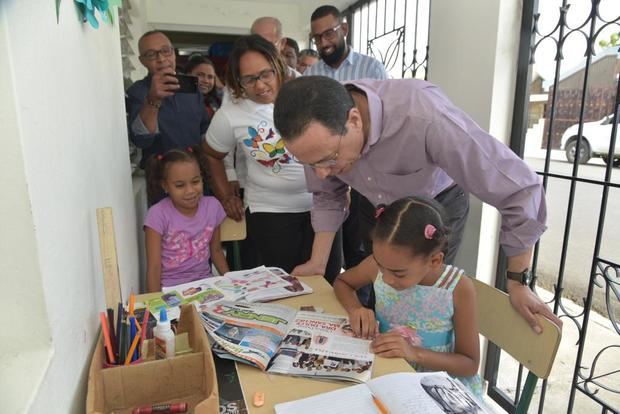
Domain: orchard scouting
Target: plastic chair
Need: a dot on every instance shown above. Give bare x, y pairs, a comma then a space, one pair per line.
501, 324
232, 230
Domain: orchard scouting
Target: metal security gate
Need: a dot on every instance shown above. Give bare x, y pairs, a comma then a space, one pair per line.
395, 32
586, 94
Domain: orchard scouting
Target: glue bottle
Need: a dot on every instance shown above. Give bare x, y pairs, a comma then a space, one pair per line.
164, 337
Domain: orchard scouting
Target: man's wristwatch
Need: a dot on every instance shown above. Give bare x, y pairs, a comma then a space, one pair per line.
524, 277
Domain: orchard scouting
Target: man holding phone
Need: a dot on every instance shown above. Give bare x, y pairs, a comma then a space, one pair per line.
163, 114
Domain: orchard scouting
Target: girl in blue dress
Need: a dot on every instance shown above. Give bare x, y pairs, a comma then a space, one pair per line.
425, 309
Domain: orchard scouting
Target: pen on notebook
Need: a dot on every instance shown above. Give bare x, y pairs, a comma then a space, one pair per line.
380, 406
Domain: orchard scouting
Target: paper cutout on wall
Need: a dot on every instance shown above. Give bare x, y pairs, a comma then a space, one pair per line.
86, 10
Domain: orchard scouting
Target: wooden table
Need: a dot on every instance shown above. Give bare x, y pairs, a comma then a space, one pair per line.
282, 388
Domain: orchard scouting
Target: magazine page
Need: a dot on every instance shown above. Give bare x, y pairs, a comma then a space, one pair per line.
201, 291
295, 288
249, 331
322, 346
400, 393
244, 283
171, 301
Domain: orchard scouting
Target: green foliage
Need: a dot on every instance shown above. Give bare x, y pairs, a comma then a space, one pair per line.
614, 40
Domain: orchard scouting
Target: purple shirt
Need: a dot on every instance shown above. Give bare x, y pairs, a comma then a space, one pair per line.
185, 240
420, 143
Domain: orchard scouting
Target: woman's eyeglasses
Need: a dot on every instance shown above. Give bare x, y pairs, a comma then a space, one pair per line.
265, 76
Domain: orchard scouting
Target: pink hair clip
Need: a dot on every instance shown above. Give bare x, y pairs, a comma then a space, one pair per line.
379, 211
429, 231
160, 157
190, 149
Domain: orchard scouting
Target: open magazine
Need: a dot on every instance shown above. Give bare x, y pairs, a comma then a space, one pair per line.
260, 284
278, 339
400, 393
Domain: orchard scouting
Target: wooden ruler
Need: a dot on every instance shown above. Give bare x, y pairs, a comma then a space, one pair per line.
109, 260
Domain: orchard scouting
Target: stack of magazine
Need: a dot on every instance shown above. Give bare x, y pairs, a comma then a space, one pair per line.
260, 284
281, 340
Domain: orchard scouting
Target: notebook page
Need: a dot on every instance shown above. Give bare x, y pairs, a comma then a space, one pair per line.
428, 393
355, 399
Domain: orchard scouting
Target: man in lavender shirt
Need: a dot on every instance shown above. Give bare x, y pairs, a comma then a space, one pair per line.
393, 138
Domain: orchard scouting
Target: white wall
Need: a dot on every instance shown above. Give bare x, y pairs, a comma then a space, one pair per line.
63, 122
473, 55
224, 16
235, 16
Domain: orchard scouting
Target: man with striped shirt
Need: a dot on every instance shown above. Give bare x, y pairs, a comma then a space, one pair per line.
338, 60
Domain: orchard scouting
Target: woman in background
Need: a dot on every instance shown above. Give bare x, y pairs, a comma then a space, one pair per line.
204, 69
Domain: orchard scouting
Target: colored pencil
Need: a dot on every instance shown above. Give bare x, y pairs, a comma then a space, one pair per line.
106, 337
133, 334
132, 350
119, 322
132, 303
145, 322
112, 330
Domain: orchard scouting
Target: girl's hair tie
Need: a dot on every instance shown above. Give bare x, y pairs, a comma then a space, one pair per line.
379, 211
159, 157
190, 149
429, 231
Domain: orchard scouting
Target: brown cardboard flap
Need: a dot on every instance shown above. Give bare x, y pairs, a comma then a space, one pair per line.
187, 378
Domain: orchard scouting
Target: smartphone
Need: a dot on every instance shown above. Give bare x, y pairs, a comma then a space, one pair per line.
187, 83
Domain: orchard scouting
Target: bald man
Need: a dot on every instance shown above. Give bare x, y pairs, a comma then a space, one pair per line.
270, 29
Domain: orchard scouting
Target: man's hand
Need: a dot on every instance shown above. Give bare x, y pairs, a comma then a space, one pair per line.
309, 268
163, 84
363, 323
233, 206
528, 304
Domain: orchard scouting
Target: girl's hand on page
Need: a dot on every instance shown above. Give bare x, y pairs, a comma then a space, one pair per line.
363, 322
393, 345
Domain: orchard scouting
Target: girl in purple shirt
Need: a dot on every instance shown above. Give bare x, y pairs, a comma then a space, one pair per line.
182, 230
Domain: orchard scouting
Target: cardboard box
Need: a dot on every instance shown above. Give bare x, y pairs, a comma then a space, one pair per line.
187, 378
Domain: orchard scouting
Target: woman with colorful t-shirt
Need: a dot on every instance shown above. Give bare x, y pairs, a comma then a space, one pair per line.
276, 201
182, 231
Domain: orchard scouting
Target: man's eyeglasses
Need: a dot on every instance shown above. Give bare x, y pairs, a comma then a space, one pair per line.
152, 54
265, 76
329, 34
329, 161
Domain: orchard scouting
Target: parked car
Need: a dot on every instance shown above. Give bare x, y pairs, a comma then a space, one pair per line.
594, 143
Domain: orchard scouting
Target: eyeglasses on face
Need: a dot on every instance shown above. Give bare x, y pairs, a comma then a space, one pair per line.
265, 76
329, 161
329, 34
152, 54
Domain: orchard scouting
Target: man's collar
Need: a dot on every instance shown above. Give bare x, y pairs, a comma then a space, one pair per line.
375, 114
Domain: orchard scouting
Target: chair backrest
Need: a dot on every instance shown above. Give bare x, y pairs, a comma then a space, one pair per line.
501, 324
232, 230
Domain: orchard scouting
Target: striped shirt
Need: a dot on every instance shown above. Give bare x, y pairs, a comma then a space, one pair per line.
355, 66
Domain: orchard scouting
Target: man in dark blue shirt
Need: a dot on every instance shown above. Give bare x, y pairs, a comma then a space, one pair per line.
159, 118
